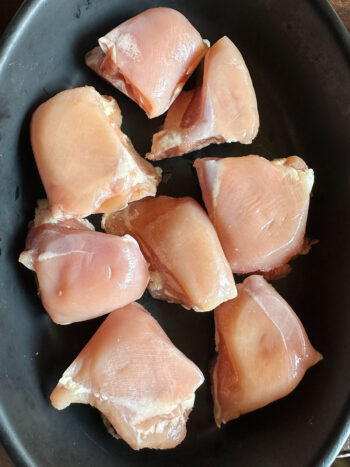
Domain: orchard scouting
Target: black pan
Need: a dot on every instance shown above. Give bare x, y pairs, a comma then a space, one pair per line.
298, 55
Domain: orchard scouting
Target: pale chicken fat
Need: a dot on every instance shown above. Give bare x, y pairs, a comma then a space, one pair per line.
263, 350
136, 377
81, 273
259, 208
86, 163
187, 264
149, 57
222, 109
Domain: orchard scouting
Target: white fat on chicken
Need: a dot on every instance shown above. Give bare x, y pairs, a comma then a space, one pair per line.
91, 167
187, 264
81, 273
141, 383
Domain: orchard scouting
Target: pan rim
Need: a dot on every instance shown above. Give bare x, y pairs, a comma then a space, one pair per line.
11, 35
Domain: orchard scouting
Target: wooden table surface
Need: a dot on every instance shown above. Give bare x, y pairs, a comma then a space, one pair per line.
343, 9
9, 7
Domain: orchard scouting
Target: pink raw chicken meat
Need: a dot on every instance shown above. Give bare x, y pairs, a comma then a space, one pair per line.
259, 208
133, 374
222, 109
187, 264
86, 163
263, 350
149, 57
81, 273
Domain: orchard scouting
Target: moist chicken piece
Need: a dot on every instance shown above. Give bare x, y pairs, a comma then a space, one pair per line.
86, 163
222, 109
259, 208
263, 350
187, 264
81, 273
133, 374
149, 57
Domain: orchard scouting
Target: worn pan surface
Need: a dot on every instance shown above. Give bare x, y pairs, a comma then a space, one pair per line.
298, 55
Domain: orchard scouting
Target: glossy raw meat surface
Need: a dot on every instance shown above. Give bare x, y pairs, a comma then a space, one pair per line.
298, 67
149, 57
222, 109
136, 377
82, 273
258, 208
86, 163
187, 264
263, 350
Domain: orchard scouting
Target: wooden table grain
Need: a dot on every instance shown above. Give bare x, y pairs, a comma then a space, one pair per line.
342, 7
8, 9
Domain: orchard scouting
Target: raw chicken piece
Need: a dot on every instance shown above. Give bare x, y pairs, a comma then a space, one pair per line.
82, 273
187, 264
149, 57
86, 163
222, 109
133, 374
259, 208
263, 350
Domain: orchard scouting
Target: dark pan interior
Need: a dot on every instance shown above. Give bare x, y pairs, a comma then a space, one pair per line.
298, 56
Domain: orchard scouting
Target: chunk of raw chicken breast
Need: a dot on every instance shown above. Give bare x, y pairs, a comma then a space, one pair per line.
259, 208
187, 264
81, 273
263, 350
149, 57
222, 109
86, 163
133, 374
